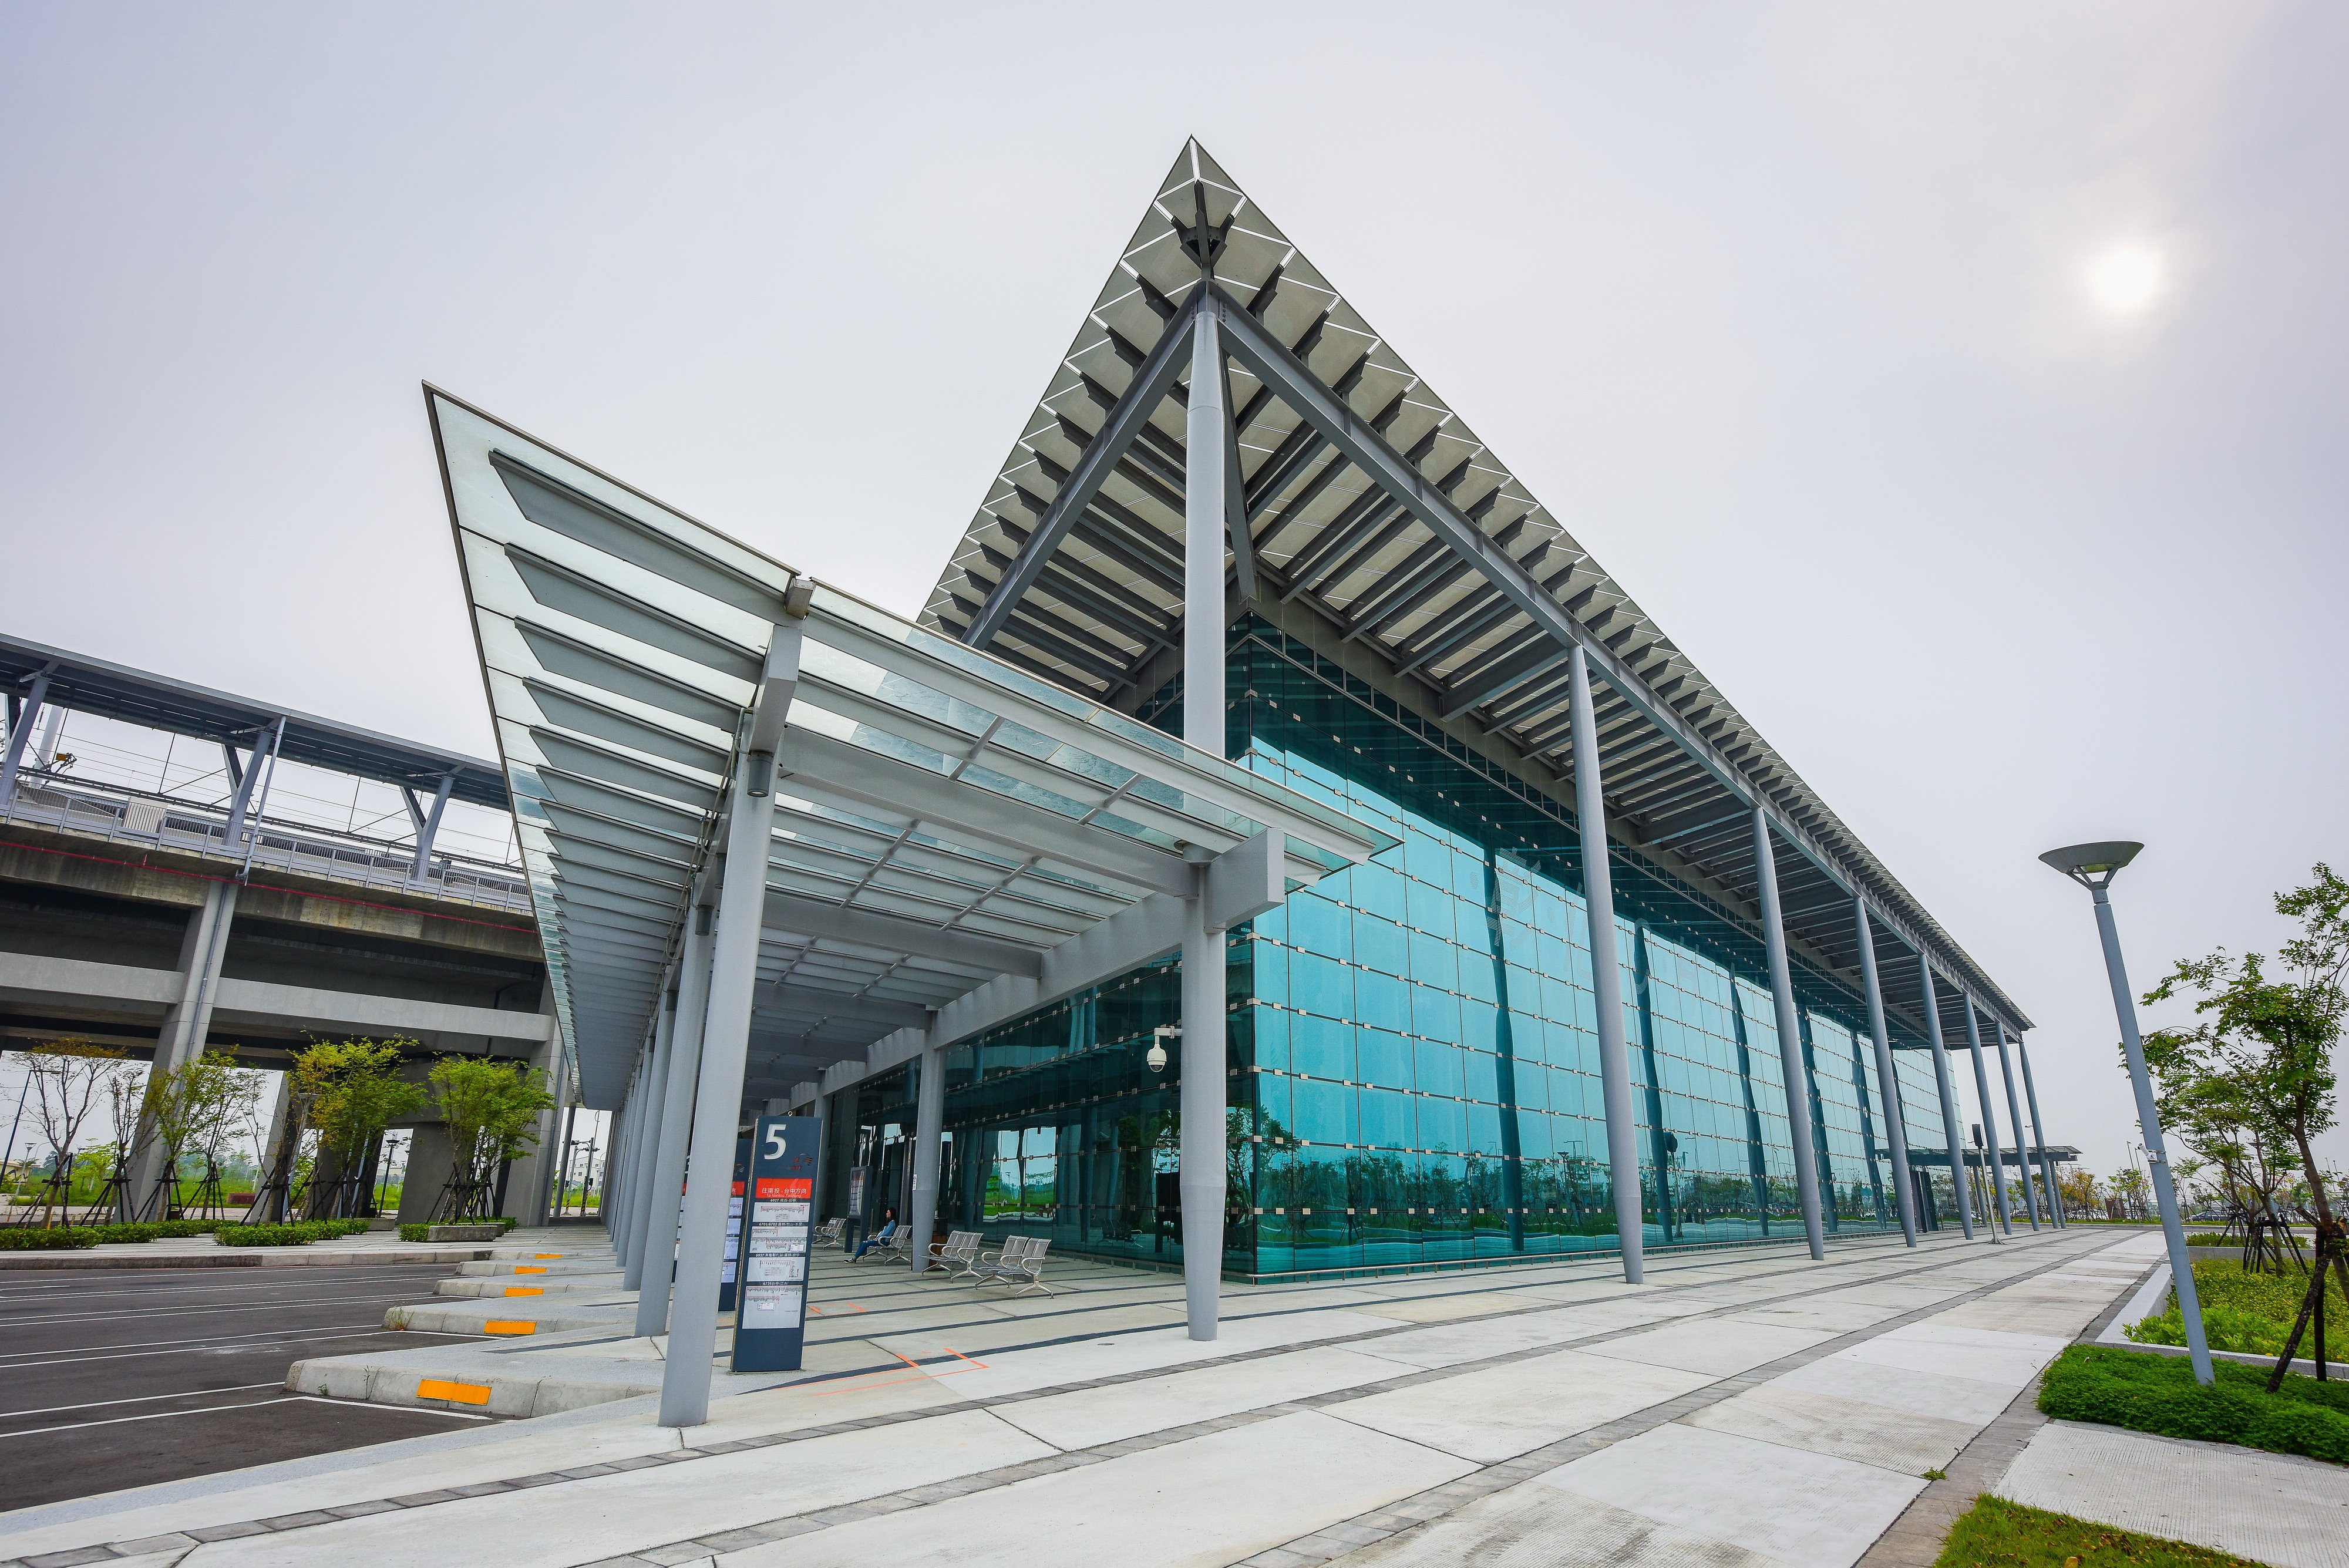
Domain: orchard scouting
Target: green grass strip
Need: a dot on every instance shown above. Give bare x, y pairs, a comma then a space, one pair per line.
2158, 1393
1996, 1533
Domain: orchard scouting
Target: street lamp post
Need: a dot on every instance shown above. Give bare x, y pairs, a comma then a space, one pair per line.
2094, 866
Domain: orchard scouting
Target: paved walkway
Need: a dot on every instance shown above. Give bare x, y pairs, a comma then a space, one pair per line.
1747, 1408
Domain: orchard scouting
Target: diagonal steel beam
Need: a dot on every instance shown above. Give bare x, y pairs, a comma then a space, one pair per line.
1270, 360
1142, 395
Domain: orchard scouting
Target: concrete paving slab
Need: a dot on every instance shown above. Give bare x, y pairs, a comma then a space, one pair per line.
2009, 1367
1847, 1377
607, 1516
1827, 1314
1203, 1503
1505, 1411
517, 1450
2277, 1509
1719, 1347
1902, 1441
1454, 1344
1017, 1371
1090, 1417
1535, 1526
1442, 1309
1800, 1507
972, 1338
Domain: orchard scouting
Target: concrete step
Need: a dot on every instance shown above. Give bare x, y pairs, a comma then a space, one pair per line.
503, 1285
511, 1321
488, 1268
539, 1375
544, 1254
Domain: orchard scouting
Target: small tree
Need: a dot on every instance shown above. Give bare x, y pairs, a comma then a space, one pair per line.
2264, 1051
2079, 1191
185, 1105
491, 1110
69, 1075
353, 1092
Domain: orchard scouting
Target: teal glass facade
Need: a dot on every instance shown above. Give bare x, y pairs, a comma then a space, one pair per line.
1413, 1074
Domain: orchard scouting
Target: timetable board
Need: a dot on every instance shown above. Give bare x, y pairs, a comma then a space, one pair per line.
770, 1313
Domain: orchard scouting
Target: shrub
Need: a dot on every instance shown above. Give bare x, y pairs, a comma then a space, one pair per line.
300, 1233
2159, 1394
130, 1233
44, 1238
413, 1232
184, 1227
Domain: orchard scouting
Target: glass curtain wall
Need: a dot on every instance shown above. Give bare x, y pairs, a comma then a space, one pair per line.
1412, 1065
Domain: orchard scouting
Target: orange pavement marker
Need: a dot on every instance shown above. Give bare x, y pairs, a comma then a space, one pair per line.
509, 1325
525, 1290
455, 1393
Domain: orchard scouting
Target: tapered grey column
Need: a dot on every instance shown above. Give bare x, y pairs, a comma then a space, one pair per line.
929, 1126
725, 1050
643, 1144
1989, 1121
1896, 1128
1951, 1124
1200, 1178
187, 1025
2039, 1137
1790, 1036
675, 1129
2015, 1120
615, 1136
1606, 974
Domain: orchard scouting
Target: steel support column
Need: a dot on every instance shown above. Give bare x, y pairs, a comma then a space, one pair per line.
30, 716
2039, 1137
428, 826
1200, 1178
929, 1126
1896, 1129
1951, 1125
2015, 1120
1995, 1166
635, 1172
186, 1024
673, 1127
1606, 976
1790, 1036
726, 1047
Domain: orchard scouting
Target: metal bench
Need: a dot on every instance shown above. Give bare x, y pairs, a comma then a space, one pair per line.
1020, 1265
961, 1249
829, 1233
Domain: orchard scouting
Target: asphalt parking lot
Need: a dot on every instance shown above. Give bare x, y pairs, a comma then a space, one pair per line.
113, 1378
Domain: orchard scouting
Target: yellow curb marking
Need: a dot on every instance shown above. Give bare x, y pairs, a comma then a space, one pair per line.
456, 1392
546, 1255
509, 1325
525, 1269
525, 1290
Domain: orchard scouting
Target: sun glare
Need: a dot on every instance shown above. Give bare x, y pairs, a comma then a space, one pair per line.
2126, 279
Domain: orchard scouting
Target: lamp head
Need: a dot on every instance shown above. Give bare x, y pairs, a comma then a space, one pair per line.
2092, 866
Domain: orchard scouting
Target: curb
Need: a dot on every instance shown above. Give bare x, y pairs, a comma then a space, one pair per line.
237, 1259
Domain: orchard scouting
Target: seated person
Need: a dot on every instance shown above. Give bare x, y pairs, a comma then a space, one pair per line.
888, 1228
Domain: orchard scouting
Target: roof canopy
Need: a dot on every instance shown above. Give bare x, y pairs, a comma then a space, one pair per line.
953, 834
159, 703
1364, 499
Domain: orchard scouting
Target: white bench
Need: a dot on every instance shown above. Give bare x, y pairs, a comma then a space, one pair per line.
1020, 1265
961, 1249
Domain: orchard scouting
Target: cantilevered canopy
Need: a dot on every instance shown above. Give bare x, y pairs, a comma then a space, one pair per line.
1362, 502
88, 685
943, 821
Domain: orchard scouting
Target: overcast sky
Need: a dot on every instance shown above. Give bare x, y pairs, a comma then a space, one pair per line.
1961, 385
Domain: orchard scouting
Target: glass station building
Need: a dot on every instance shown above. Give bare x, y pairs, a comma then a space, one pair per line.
1413, 1069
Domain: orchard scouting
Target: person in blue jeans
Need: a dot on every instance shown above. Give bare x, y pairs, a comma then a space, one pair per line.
888, 1228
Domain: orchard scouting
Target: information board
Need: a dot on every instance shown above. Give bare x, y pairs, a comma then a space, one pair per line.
734, 1226
770, 1326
